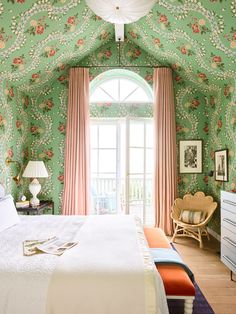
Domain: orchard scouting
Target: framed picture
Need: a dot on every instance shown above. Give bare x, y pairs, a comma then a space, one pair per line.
190, 156
221, 165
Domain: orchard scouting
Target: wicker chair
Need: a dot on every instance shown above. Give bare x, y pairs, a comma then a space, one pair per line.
196, 202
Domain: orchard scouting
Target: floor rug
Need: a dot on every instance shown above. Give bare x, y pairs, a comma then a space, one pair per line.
200, 304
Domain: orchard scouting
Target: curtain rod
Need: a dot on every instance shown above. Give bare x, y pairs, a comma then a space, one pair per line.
119, 66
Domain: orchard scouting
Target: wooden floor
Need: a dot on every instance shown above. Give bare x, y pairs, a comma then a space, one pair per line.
210, 273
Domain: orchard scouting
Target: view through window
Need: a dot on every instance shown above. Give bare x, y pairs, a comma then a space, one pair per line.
122, 152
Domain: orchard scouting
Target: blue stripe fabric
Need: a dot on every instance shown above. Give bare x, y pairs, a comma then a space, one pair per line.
169, 256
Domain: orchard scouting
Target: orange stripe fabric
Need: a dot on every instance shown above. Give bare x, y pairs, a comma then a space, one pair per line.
175, 279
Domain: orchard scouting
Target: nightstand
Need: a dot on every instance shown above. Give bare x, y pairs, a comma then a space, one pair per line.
39, 210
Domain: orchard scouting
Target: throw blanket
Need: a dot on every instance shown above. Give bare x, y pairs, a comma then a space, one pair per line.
24, 280
170, 256
109, 271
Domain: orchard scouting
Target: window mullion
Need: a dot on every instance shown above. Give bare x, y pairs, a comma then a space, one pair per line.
144, 174
127, 166
118, 165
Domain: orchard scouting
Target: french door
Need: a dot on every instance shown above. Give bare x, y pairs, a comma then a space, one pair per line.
122, 167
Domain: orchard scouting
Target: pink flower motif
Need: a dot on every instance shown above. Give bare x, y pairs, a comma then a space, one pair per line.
157, 41
61, 177
206, 128
49, 153
137, 52
52, 52
195, 103
108, 53
195, 28
80, 42
219, 123
216, 59
17, 60
20, 1
18, 124
61, 78
183, 50
148, 77
175, 66
163, 18
11, 92
33, 129
35, 76
61, 128
71, 20
205, 179
62, 67
226, 91
49, 104
177, 78
202, 76
179, 179
10, 153
39, 29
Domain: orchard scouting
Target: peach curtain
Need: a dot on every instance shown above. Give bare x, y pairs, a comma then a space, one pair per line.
76, 198
165, 148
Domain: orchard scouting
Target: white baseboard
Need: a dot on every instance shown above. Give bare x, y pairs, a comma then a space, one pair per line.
214, 234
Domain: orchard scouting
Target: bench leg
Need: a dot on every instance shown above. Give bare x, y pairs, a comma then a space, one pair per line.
188, 306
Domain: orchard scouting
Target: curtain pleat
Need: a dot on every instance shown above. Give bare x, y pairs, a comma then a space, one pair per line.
76, 198
165, 180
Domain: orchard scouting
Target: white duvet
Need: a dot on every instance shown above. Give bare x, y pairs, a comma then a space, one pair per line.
30, 284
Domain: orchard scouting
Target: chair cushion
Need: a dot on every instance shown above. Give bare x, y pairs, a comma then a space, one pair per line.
192, 216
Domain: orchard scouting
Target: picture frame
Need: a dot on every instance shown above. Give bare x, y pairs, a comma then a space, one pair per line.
190, 156
221, 165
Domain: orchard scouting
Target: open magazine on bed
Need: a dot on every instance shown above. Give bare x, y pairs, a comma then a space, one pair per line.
52, 245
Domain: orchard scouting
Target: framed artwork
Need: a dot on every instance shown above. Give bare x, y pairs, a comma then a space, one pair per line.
190, 156
221, 165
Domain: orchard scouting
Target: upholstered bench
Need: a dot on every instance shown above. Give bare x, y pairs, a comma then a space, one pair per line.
176, 281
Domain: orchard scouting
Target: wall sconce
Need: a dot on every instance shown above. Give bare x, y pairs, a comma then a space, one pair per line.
16, 178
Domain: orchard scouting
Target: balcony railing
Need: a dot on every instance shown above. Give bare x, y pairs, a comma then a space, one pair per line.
106, 200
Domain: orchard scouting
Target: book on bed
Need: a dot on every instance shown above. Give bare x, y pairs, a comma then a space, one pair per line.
52, 245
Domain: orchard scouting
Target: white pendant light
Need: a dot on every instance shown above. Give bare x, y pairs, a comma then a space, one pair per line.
120, 11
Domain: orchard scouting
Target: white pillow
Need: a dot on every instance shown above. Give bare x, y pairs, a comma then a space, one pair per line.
2, 191
8, 213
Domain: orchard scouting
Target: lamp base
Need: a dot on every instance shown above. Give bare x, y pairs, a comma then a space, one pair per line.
34, 188
34, 202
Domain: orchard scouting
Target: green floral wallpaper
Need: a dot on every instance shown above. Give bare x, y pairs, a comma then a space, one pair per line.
40, 40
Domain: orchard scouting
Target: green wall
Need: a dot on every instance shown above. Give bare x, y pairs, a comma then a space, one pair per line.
196, 38
48, 123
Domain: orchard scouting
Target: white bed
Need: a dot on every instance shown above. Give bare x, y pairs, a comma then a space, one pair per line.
110, 271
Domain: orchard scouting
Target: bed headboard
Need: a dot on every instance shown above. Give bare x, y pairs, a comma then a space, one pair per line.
2, 191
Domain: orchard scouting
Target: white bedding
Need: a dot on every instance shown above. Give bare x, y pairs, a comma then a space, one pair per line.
26, 281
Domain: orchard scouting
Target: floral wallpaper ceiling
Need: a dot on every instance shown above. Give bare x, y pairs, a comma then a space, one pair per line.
36, 37
40, 40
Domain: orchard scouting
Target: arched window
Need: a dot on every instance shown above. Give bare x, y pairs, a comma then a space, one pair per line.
122, 144
120, 86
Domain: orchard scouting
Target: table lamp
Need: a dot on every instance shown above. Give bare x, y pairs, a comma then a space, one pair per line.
35, 169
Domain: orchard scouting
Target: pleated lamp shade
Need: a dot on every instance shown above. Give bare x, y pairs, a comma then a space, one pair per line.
35, 169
